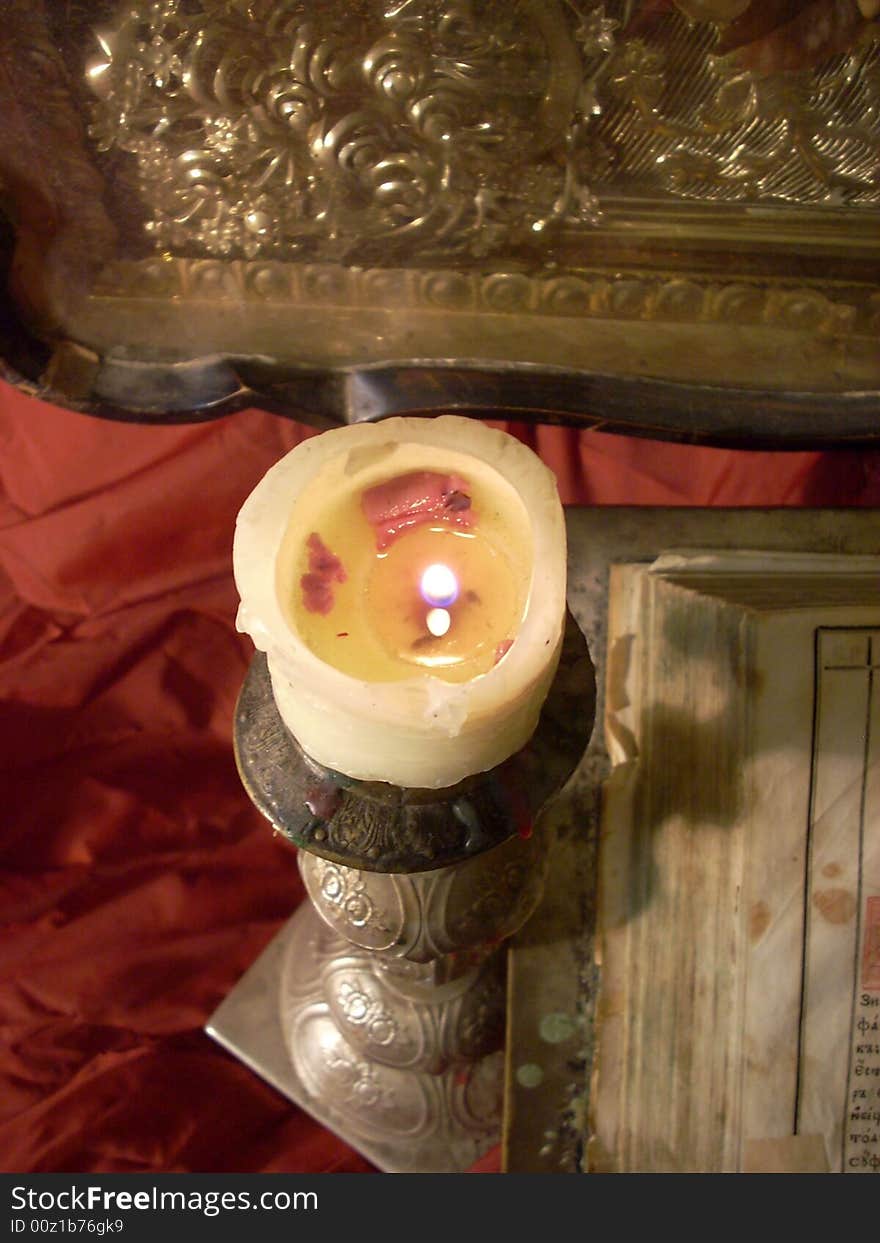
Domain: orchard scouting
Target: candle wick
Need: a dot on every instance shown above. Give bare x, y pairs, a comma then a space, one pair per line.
438, 622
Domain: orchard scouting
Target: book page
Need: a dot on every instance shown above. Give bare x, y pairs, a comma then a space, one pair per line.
813, 1009
741, 933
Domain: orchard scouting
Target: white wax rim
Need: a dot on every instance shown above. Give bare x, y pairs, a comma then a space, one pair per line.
421, 731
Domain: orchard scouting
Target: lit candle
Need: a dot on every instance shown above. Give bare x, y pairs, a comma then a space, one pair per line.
406, 580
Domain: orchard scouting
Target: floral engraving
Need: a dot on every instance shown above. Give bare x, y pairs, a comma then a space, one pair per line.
277, 129
366, 1012
443, 129
696, 124
343, 895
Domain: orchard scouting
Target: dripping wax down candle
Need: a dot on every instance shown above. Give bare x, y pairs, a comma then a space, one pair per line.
406, 580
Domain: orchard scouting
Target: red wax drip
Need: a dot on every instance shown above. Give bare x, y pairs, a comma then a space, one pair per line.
325, 569
323, 799
399, 504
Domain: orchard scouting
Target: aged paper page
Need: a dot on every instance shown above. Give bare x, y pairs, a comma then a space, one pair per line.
812, 1037
739, 1024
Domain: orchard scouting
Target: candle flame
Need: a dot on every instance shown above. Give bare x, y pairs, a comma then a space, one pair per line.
439, 586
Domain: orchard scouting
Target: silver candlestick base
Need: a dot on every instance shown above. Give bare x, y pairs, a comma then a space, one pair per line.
380, 1009
387, 1058
279, 1021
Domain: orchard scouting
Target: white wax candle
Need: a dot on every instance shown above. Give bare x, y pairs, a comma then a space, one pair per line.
406, 580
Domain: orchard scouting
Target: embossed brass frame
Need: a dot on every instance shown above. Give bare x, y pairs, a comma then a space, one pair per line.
566, 210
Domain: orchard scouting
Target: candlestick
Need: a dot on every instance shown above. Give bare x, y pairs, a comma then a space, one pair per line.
388, 1010
406, 581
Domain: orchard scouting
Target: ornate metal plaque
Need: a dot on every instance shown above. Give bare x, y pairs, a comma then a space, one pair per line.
657, 214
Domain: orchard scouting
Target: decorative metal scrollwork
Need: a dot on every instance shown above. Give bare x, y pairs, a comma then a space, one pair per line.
343, 133
272, 128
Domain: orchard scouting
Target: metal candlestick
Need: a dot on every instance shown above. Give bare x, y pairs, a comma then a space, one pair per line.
387, 990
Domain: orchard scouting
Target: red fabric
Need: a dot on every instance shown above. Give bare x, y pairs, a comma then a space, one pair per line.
137, 881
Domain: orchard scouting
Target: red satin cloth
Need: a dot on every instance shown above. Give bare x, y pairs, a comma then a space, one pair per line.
138, 882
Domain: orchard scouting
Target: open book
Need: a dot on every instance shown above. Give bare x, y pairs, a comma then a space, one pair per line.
738, 1026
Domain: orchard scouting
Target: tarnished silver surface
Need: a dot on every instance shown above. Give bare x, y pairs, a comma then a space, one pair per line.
415, 1083
404, 1019
378, 827
256, 1022
423, 916
394, 1032
395, 1028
